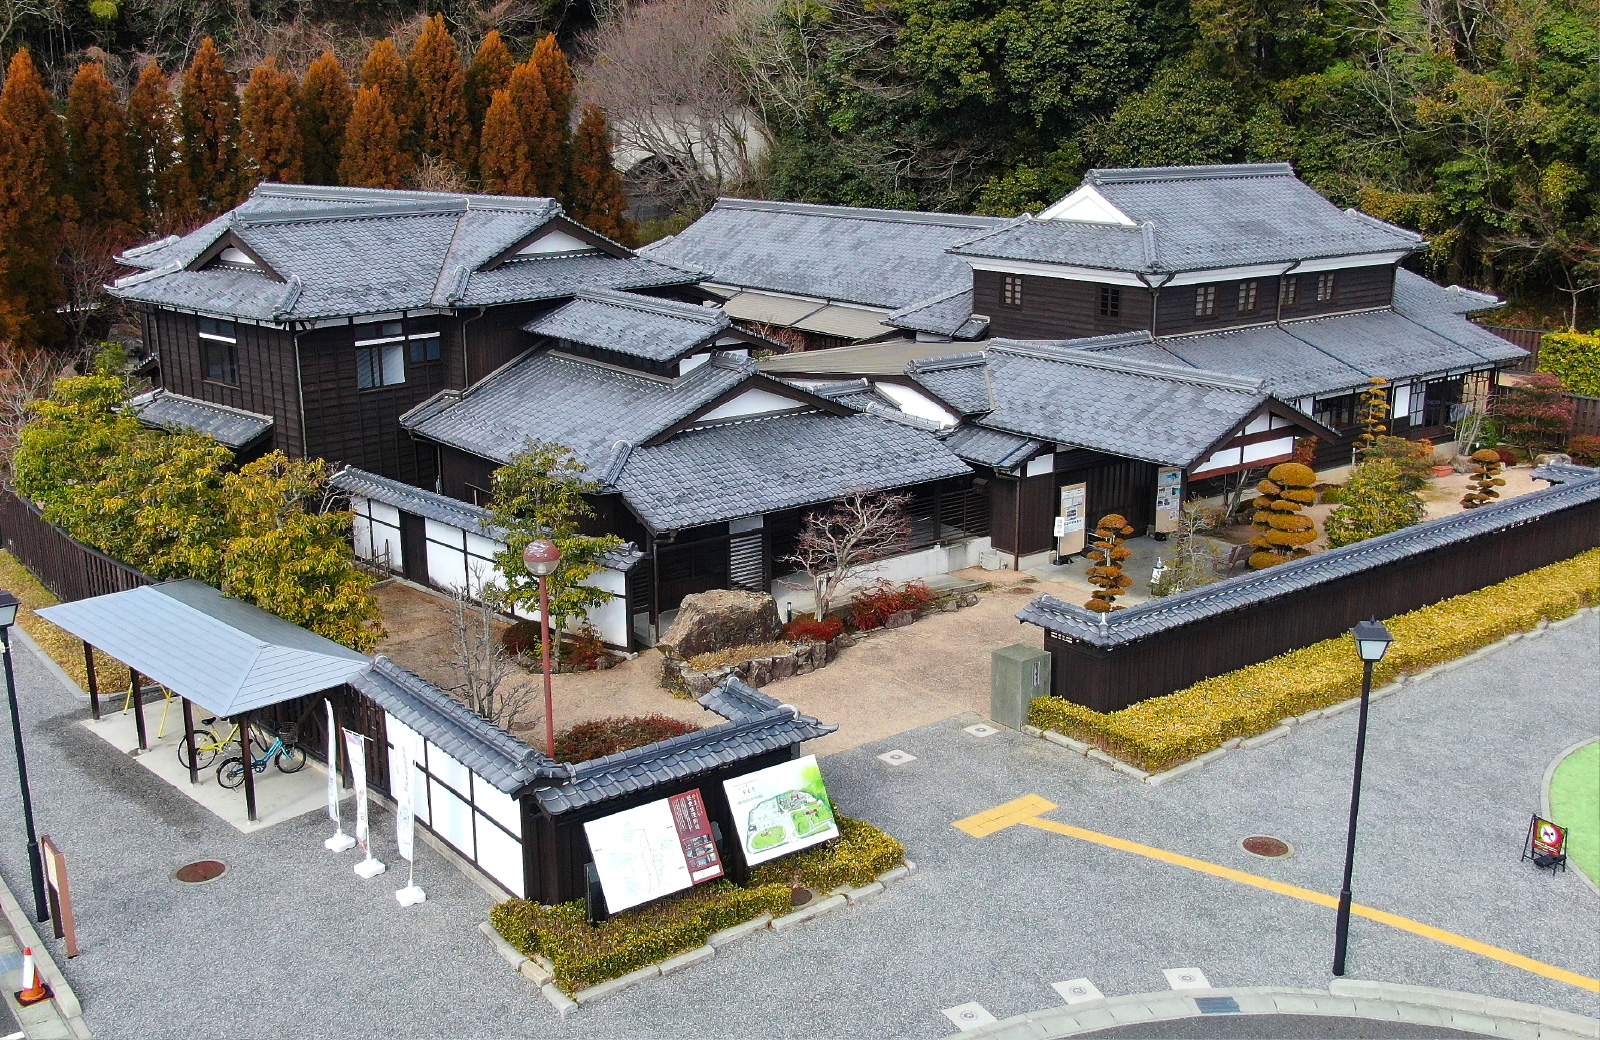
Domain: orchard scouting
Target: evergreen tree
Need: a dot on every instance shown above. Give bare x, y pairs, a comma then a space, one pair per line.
386, 70
594, 197
324, 109
151, 152
208, 132
502, 152
559, 84
33, 207
521, 151
490, 71
444, 130
271, 126
97, 150
371, 155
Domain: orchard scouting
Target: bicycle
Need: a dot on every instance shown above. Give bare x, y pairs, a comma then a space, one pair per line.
208, 740
291, 758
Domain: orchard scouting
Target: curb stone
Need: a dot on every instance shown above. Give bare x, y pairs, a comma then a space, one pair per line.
563, 1004
1062, 740
859, 895
718, 940
1173, 773
1032, 731
535, 972
687, 959
64, 1000
1264, 738
817, 909
508, 953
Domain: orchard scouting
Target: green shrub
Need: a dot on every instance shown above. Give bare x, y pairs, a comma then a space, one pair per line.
1374, 501
1575, 357
859, 854
1161, 732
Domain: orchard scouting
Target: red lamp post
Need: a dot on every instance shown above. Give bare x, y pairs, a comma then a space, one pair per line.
541, 557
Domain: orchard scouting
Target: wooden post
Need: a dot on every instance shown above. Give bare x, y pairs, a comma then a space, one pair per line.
188, 739
137, 694
249, 767
94, 689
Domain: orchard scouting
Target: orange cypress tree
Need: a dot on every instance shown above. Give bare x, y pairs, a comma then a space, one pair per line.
33, 207
489, 71
151, 155
594, 196
97, 152
371, 155
526, 143
559, 84
444, 131
386, 70
270, 124
208, 132
323, 108
502, 151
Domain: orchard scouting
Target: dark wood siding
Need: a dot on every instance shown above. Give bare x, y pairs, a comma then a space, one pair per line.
495, 337
1116, 485
1055, 308
1354, 289
267, 380
460, 472
346, 424
1033, 516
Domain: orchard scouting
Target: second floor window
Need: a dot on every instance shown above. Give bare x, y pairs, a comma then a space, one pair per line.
1011, 290
1288, 288
219, 351
424, 348
1110, 301
382, 364
1324, 286
1247, 297
1205, 301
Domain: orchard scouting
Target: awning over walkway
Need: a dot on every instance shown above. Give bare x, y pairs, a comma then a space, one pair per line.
223, 654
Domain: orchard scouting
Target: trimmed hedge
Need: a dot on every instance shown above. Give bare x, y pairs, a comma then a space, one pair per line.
1164, 731
1575, 357
585, 956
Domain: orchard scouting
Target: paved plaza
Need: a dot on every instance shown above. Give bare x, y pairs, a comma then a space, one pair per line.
289, 942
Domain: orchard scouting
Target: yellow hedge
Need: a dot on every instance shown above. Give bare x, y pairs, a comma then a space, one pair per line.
1162, 732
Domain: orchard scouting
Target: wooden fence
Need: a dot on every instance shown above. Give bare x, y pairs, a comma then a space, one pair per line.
1167, 644
65, 566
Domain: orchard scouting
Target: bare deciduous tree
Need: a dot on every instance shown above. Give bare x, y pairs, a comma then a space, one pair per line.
23, 380
86, 267
847, 539
482, 662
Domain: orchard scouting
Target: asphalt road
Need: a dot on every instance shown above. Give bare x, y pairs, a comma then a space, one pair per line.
1277, 1027
291, 943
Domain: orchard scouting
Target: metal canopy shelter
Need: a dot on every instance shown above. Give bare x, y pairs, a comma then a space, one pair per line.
227, 656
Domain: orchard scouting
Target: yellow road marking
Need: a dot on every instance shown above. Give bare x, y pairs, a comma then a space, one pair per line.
1024, 811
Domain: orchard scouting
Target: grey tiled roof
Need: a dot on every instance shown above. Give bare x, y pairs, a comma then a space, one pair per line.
1414, 292
231, 427
1197, 218
1557, 472
1285, 363
1159, 413
948, 314
774, 462
353, 251
447, 510
990, 447
1390, 346
1146, 619
959, 380
627, 323
486, 749
880, 258
757, 725
855, 393
581, 405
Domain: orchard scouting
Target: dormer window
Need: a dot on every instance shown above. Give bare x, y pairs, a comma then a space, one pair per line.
1205, 301
1324, 286
1011, 290
219, 350
1290, 283
1110, 301
1247, 297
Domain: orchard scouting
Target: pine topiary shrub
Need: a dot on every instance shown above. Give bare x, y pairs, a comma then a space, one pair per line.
1372, 415
1485, 478
1106, 554
1285, 532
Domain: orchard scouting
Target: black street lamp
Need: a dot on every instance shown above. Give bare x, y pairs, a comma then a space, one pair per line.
542, 557
8, 617
1372, 641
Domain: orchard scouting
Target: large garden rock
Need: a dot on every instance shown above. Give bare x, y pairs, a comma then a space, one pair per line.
719, 619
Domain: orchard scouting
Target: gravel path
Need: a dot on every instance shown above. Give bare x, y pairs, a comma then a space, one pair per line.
291, 942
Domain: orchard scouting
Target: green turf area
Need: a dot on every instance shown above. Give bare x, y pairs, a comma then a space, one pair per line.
1575, 805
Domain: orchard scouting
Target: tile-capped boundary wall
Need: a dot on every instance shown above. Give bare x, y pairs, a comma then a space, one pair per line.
541, 973
1286, 726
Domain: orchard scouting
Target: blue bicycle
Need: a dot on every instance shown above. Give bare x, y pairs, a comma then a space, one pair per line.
291, 758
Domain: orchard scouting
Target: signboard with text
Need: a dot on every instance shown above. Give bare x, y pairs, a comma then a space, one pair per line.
653, 850
781, 809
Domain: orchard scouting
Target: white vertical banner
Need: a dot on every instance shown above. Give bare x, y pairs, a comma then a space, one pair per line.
405, 821
340, 841
356, 749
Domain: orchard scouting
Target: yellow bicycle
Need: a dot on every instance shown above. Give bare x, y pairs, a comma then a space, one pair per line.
209, 738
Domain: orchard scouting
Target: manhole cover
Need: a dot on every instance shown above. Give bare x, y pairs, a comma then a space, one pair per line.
200, 871
799, 896
1262, 845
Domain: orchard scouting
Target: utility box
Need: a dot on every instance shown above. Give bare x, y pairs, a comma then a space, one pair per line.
1017, 674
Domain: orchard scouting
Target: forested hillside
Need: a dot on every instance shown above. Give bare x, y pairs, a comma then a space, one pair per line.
1474, 121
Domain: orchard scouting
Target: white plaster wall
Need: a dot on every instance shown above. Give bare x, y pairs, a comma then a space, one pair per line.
793, 591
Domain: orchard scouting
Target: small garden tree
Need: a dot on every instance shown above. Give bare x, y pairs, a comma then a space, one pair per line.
71, 435
1285, 531
1534, 414
1372, 415
1374, 501
540, 494
1194, 557
483, 663
1414, 458
1106, 554
856, 532
1485, 478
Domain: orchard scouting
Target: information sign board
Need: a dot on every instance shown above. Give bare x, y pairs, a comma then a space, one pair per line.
1169, 498
1548, 839
781, 809
653, 850
1072, 522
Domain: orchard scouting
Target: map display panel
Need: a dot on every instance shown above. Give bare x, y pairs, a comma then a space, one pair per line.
781, 809
653, 850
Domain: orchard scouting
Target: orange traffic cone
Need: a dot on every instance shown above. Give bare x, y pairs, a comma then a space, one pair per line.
33, 987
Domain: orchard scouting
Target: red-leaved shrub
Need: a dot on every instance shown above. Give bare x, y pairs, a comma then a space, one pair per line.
1585, 450
601, 737
808, 629
872, 606
1507, 456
